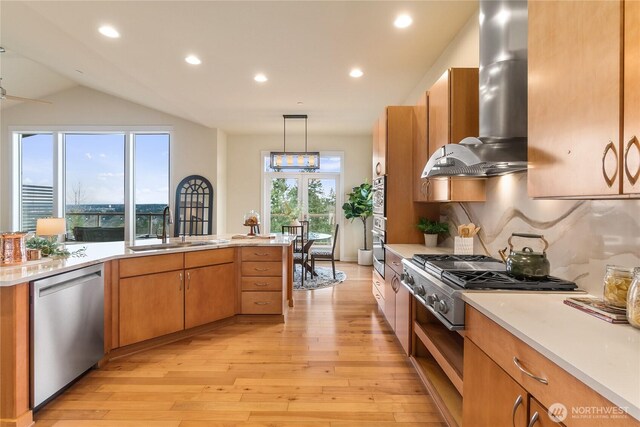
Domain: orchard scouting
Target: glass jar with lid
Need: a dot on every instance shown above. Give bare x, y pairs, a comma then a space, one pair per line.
633, 300
617, 280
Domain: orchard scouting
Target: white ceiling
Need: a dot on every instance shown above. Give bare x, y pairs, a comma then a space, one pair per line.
306, 48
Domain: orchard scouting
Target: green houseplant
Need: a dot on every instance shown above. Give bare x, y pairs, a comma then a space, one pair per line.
360, 206
431, 230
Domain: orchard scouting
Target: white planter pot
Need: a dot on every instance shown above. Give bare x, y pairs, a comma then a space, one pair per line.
365, 257
431, 240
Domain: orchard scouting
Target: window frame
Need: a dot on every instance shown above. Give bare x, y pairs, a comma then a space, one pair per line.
59, 166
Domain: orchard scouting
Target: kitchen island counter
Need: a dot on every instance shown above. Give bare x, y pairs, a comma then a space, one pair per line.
101, 252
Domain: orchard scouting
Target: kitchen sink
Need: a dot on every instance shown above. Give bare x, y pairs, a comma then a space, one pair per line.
174, 245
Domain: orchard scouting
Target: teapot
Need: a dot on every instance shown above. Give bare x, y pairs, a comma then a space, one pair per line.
526, 264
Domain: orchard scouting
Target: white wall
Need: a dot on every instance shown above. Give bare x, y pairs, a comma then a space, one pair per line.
193, 147
245, 186
463, 51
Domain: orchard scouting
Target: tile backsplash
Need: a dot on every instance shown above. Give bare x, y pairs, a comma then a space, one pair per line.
584, 235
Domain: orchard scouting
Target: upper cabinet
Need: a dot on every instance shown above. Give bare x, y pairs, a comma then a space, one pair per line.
584, 99
447, 114
380, 146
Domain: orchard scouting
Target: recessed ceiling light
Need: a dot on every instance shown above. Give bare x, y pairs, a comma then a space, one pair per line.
109, 31
356, 73
193, 60
260, 78
403, 21
299, 102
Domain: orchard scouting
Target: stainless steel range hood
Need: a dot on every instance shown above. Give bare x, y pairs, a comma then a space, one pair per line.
502, 144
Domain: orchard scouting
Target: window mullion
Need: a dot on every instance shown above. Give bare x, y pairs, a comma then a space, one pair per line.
59, 184
129, 193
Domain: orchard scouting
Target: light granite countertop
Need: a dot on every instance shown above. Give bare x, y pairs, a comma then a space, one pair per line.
100, 252
604, 356
407, 250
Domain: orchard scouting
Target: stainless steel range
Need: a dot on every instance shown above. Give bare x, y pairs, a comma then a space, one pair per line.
437, 282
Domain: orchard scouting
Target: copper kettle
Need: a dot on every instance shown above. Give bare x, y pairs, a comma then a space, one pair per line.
13, 248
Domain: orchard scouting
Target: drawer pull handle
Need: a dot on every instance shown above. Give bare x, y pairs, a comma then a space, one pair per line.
181, 280
260, 254
395, 263
261, 269
534, 419
262, 303
524, 371
261, 284
517, 403
188, 280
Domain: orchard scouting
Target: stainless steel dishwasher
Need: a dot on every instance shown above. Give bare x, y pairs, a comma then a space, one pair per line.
67, 329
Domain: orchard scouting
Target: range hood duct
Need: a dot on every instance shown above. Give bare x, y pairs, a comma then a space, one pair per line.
502, 144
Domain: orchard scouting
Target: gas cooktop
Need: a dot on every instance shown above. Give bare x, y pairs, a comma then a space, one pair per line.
500, 280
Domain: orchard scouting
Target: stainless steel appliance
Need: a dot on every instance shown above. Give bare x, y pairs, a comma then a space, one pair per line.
379, 240
67, 329
379, 192
437, 282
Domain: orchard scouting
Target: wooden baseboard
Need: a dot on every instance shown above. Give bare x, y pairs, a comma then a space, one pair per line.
24, 420
260, 318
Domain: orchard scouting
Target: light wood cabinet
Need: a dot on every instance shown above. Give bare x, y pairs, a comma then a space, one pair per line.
451, 114
504, 403
380, 146
262, 280
377, 288
403, 316
402, 213
542, 380
539, 415
210, 294
420, 149
150, 306
583, 114
390, 296
631, 138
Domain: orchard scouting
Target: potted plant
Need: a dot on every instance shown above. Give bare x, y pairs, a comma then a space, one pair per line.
360, 206
431, 230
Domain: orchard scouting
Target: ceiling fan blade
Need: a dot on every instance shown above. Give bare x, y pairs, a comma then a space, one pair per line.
19, 98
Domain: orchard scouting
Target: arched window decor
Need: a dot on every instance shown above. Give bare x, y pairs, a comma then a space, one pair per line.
194, 207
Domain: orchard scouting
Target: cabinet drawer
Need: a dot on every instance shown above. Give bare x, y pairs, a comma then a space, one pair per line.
253, 268
393, 261
378, 282
210, 257
258, 283
262, 253
377, 295
261, 302
501, 346
150, 264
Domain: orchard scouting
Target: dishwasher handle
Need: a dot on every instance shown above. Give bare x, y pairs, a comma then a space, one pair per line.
57, 287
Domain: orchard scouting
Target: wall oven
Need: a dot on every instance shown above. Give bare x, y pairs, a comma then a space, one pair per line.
379, 239
379, 196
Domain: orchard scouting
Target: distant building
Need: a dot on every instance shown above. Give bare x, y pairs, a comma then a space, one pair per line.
37, 202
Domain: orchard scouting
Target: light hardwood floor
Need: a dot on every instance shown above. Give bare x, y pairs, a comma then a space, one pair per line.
335, 362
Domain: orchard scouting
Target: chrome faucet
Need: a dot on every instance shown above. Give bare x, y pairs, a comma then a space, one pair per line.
166, 211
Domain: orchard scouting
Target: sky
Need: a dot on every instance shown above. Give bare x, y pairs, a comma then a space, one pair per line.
95, 166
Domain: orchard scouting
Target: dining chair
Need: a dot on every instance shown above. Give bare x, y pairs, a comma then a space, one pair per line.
325, 254
305, 229
302, 258
298, 231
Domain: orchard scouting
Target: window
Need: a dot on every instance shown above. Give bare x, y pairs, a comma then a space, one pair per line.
83, 176
313, 195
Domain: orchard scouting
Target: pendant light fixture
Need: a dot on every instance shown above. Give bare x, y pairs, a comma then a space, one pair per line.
294, 159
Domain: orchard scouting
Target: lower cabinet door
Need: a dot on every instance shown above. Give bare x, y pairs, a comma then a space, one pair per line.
390, 297
150, 306
539, 415
491, 397
403, 316
210, 294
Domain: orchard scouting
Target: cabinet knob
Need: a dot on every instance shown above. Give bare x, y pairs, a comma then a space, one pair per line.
610, 180
633, 142
516, 404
